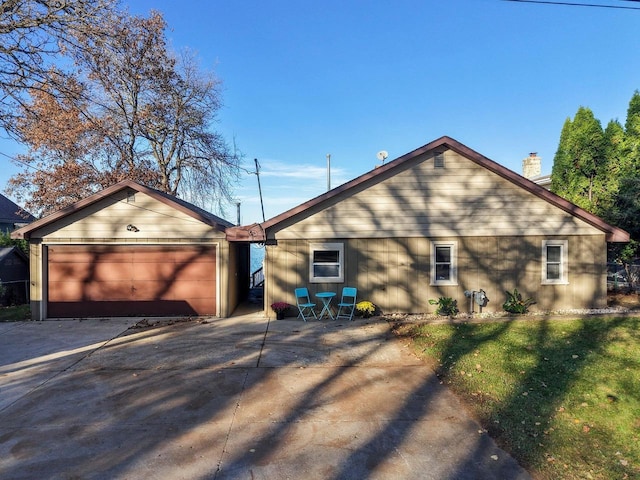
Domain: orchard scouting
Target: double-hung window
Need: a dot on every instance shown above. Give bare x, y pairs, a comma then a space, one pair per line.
444, 269
326, 263
554, 262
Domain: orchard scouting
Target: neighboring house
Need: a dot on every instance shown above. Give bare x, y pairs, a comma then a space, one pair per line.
14, 276
532, 169
14, 265
12, 216
438, 221
543, 181
130, 250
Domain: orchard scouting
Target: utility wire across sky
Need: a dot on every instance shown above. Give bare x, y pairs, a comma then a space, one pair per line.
581, 4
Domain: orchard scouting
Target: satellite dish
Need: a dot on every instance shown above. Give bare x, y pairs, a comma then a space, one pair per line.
382, 155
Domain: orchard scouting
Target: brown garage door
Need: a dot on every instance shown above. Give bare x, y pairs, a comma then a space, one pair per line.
96, 281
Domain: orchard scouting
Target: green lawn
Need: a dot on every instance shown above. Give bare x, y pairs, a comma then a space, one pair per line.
562, 396
14, 314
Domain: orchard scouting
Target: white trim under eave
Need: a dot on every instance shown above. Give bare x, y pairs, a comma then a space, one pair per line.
43, 266
218, 297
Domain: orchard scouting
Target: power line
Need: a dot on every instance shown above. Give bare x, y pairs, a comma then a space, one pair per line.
578, 4
22, 162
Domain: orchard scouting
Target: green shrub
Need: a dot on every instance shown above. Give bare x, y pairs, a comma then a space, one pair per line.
447, 306
515, 303
7, 241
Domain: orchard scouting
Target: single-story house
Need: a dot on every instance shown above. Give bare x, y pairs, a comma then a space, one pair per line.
12, 216
130, 250
439, 221
14, 276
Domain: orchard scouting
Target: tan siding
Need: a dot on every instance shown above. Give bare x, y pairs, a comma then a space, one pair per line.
109, 218
36, 261
379, 268
394, 273
463, 199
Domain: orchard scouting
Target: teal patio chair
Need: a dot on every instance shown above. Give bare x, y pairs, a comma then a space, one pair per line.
305, 306
347, 303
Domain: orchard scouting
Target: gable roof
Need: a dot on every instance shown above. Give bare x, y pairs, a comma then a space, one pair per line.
6, 252
175, 202
258, 231
12, 213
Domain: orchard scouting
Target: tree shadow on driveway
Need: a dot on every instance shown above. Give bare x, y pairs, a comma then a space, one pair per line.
246, 399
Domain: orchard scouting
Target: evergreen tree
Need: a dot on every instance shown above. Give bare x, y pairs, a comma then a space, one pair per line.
632, 136
560, 172
580, 160
625, 211
614, 168
632, 125
600, 171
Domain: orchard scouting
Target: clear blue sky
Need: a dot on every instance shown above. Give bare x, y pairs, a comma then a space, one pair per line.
302, 79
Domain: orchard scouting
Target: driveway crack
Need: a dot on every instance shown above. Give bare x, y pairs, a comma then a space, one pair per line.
237, 406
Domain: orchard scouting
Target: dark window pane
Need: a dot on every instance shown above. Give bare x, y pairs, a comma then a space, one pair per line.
326, 270
554, 253
443, 271
443, 254
326, 256
553, 271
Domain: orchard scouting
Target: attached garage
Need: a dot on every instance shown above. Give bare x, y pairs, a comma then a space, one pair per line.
133, 251
131, 280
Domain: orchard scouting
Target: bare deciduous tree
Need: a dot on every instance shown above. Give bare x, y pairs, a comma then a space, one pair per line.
132, 109
33, 35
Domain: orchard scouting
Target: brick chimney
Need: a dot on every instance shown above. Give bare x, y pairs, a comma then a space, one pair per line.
532, 166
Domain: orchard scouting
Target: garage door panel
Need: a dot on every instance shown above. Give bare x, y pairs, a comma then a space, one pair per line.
77, 292
110, 256
158, 290
151, 255
114, 291
201, 304
150, 290
65, 271
125, 308
195, 254
191, 289
91, 272
88, 255
195, 271
131, 280
60, 255
66, 291
154, 271
109, 272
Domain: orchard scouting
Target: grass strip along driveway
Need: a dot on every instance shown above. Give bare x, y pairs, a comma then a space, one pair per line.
14, 313
562, 396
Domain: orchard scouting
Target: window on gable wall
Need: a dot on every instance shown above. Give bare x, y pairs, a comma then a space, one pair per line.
326, 263
555, 262
444, 267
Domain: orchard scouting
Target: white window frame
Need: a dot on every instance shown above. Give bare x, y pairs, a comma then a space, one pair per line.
314, 247
564, 262
453, 280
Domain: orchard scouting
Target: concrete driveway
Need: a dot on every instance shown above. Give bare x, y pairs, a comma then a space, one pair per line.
238, 398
